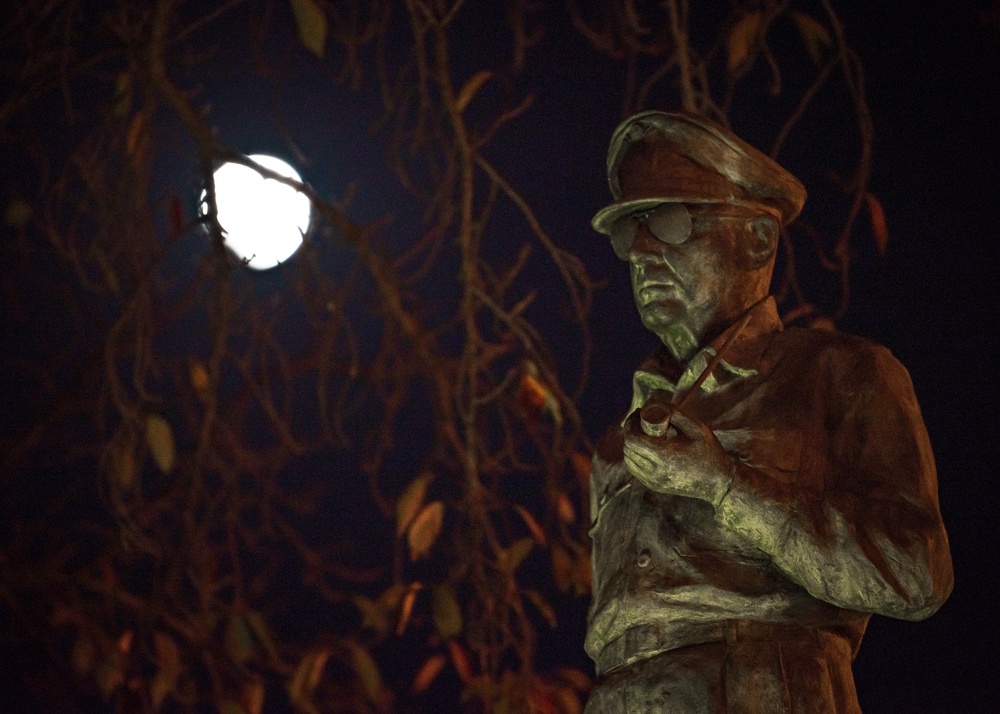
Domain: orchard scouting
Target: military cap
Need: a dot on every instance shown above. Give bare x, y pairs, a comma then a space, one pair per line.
660, 157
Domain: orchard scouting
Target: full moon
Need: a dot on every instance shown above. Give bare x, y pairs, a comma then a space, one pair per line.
263, 220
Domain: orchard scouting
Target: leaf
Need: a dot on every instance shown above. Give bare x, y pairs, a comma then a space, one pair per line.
263, 633
460, 660
512, 557
109, 674
564, 507
410, 502
366, 669
407, 607
84, 654
253, 698
424, 530
741, 40
238, 640
199, 378
879, 227
543, 607
575, 677
533, 527
123, 465
813, 34
311, 24
18, 213
446, 612
160, 438
471, 87
135, 135
168, 662
536, 398
306, 677
581, 466
427, 673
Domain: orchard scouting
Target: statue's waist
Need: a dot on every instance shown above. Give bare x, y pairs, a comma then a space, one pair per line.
647, 640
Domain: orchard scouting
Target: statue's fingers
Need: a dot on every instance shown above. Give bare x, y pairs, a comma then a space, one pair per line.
689, 427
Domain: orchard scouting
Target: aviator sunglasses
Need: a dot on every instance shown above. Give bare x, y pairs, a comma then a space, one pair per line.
670, 223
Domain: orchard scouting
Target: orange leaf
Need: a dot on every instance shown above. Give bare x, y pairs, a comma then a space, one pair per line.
879, 227
529, 520
424, 530
567, 514
407, 609
410, 502
446, 611
460, 660
532, 395
741, 40
581, 465
428, 673
468, 91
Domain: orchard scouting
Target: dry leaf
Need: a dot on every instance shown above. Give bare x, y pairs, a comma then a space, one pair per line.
410, 502
253, 698
446, 611
813, 34
564, 507
460, 660
467, 92
366, 669
407, 608
879, 228
160, 438
581, 466
533, 527
512, 557
311, 24
424, 530
741, 40
168, 662
427, 673
199, 377
543, 607
823, 323
238, 640
306, 677
263, 633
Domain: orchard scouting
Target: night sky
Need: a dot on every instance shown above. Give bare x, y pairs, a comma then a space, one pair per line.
933, 72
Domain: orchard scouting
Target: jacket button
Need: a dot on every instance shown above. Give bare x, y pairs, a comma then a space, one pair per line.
643, 560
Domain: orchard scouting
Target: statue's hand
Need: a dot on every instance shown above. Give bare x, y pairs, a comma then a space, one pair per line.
687, 461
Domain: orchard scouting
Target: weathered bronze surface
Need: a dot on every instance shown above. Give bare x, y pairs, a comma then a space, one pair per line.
769, 488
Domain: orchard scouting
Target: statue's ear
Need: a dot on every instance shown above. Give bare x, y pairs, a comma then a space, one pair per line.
764, 231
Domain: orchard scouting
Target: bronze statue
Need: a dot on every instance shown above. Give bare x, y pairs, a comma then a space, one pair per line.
769, 489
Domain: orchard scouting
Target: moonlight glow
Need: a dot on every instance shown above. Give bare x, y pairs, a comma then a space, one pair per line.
263, 220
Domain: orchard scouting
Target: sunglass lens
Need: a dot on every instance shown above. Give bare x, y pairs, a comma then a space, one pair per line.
671, 223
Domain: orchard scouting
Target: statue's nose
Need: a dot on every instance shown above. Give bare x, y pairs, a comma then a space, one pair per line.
645, 245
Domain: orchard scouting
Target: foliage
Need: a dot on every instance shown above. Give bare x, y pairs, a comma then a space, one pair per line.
160, 543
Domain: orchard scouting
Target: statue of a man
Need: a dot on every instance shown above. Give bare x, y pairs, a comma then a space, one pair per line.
769, 489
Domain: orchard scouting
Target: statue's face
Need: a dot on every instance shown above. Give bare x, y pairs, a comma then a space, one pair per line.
689, 291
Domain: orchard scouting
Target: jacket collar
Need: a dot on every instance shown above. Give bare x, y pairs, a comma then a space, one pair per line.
662, 372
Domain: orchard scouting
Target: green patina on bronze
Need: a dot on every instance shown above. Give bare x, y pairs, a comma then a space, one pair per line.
739, 554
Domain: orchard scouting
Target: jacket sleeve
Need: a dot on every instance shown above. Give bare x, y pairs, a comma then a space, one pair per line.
867, 534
